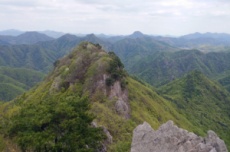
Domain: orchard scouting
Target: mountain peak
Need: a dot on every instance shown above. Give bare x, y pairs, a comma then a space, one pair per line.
91, 36
136, 34
32, 37
81, 61
29, 33
68, 37
11, 32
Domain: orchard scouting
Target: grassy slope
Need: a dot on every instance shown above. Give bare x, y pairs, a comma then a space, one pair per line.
224, 79
145, 103
204, 102
15, 81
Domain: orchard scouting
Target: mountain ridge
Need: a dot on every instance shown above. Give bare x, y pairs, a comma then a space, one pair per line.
163, 67
26, 38
201, 100
118, 101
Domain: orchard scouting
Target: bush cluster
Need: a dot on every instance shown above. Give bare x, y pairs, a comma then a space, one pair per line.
115, 70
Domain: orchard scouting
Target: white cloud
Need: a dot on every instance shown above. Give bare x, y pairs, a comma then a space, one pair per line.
118, 17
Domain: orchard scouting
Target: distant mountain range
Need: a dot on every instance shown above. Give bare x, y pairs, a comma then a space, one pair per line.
157, 60
41, 56
26, 38
49, 33
163, 67
11, 32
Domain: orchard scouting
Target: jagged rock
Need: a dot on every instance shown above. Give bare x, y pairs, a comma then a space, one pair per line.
122, 107
107, 141
170, 138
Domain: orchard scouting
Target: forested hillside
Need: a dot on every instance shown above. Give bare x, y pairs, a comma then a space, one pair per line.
202, 101
161, 60
163, 67
15, 81
118, 101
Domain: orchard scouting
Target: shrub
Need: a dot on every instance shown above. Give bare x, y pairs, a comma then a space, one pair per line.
115, 70
57, 124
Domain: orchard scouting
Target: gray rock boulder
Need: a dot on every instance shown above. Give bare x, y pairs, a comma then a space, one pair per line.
170, 138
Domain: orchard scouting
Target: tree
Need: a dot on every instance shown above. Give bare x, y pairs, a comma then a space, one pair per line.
115, 70
56, 124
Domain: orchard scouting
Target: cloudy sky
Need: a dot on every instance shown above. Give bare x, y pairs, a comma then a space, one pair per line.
158, 17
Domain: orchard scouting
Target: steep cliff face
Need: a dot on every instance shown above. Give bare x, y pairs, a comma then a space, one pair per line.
170, 138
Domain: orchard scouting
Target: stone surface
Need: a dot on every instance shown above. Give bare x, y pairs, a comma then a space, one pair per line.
170, 138
121, 96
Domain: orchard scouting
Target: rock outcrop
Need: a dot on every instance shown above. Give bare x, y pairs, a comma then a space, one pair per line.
122, 106
170, 138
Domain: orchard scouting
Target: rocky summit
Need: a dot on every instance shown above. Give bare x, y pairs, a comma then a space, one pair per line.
170, 138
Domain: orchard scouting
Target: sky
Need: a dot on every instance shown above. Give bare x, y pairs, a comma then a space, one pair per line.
118, 17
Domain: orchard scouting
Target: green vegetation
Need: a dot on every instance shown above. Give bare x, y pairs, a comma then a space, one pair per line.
26, 38
145, 105
15, 81
21, 75
224, 79
78, 74
54, 104
59, 123
132, 50
157, 54
116, 71
163, 67
9, 91
203, 102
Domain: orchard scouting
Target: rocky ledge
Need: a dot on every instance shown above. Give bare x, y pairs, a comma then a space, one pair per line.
170, 138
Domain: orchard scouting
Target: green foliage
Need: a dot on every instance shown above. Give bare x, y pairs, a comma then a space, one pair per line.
121, 146
50, 106
56, 124
26, 38
115, 70
2, 145
205, 103
25, 76
162, 67
109, 81
15, 81
225, 82
9, 91
145, 103
131, 51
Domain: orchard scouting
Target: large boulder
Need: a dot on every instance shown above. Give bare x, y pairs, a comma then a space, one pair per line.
170, 138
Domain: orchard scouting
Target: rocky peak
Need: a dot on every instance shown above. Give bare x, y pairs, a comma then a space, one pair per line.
95, 71
170, 138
